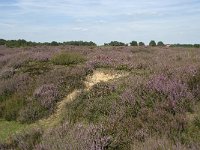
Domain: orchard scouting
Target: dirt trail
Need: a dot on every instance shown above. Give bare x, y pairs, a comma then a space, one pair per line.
96, 77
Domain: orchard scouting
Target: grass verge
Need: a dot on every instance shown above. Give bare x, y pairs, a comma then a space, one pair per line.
7, 128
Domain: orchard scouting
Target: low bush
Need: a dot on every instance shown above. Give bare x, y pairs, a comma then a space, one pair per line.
46, 95
194, 84
17, 83
7, 73
34, 68
67, 59
92, 106
32, 112
11, 107
77, 136
26, 140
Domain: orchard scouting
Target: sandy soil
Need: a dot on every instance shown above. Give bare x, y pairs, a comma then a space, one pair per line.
96, 77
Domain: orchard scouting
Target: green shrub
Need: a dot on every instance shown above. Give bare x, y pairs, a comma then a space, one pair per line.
11, 107
94, 105
68, 59
27, 139
35, 68
32, 112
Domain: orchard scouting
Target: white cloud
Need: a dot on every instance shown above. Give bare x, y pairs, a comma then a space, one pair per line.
80, 29
100, 20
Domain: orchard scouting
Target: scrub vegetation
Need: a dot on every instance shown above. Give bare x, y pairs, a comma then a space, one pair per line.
99, 97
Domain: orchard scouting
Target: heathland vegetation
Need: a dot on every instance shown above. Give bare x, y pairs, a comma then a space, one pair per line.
77, 95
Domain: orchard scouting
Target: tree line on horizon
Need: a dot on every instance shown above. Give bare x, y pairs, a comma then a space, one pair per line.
24, 43
152, 43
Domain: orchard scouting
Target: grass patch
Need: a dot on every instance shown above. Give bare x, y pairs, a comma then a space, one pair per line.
68, 59
36, 68
7, 128
11, 107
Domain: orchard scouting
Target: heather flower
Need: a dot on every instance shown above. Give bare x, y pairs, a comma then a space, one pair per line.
75, 137
26, 139
17, 83
41, 56
47, 95
128, 97
6, 73
112, 59
174, 89
101, 89
5, 59
19, 60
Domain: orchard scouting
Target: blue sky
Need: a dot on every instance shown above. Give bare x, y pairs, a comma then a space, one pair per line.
172, 21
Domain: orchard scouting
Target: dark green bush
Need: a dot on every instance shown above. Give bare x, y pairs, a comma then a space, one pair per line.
115, 43
80, 43
34, 68
160, 43
2, 42
141, 44
152, 43
32, 112
54, 43
11, 107
134, 43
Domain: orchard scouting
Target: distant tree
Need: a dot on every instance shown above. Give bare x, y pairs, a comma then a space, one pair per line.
160, 43
141, 44
54, 43
24, 43
134, 43
16, 43
185, 45
2, 42
115, 43
152, 43
197, 45
80, 43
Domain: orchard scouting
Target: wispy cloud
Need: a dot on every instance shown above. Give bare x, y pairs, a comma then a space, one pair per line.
101, 20
79, 29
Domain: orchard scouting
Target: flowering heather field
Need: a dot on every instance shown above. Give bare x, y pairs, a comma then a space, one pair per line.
157, 106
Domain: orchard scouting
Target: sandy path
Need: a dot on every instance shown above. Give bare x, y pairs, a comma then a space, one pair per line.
96, 77
100, 76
